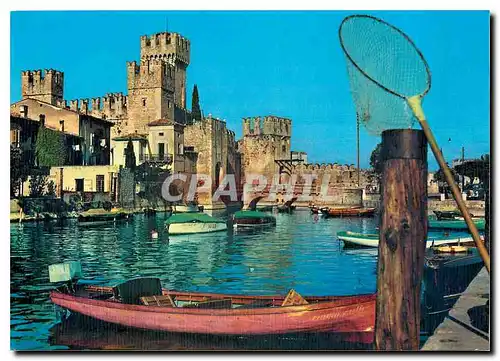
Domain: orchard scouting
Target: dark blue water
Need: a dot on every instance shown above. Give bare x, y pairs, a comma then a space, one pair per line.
301, 252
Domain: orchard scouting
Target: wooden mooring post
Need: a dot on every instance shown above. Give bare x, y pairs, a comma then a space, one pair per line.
403, 230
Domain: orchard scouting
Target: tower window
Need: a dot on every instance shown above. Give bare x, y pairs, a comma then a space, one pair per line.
24, 111
61, 125
41, 118
143, 102
161, 134
283, 148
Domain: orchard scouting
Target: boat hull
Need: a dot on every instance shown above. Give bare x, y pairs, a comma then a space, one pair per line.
455, 224
195, 227
353, 240
351, 212
352, 317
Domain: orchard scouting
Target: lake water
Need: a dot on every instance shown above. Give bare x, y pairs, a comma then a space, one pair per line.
301, 252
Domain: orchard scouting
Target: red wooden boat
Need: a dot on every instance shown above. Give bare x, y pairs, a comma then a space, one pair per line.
351, 212
141, 303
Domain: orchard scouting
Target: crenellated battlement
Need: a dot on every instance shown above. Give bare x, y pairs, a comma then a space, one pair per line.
110, 106
45, 85
151, 73
171, 47
267, 125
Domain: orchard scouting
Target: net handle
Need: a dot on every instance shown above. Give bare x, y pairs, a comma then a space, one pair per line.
351, 60
416, 105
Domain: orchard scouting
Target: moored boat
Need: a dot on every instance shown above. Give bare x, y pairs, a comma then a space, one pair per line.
189, 223
142, 303
324, 210
314, 210
287, 207
187, 208
248, 218
95, 219
353, 239
351, 212
451, 216
456, 224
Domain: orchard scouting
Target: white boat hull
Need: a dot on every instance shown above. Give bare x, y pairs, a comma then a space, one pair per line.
195, 227
367, 242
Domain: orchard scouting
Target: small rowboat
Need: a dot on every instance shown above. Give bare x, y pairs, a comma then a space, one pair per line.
187, 208
451, 249
247, 218
456, 224
189, 223
351, 212
97, 219
353, 239
142, 303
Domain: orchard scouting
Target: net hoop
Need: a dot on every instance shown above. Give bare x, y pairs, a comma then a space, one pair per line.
351, 60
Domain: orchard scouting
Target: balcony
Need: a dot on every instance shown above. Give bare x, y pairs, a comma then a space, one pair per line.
156, 158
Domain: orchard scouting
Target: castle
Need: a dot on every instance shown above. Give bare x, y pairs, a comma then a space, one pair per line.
153, 115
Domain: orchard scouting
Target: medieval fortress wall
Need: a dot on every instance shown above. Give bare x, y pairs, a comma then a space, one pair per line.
156, 87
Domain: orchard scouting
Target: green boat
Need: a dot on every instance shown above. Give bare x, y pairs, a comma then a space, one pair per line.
455, 225
189, 223
249, 218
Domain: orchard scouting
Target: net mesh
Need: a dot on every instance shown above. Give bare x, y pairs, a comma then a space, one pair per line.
384, 69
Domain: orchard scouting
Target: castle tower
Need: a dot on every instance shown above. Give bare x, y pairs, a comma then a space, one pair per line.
174, 49
150, 93
47, 85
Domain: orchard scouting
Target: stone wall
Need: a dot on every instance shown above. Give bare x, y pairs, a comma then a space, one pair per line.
216, 152
150, 93
46, 85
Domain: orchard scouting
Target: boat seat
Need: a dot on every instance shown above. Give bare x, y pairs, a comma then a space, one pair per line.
214, 304
162, 301
131, 291
293, 298
257, 304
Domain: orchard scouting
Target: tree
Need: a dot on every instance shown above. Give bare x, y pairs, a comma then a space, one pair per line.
441, 180
50, 148
18, 170
376, 160
130, 155
376, 165
51, 189
195, 104
37, 185
151, 178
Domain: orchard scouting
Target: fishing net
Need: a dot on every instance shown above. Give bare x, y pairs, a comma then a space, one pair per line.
385, 69
389, 78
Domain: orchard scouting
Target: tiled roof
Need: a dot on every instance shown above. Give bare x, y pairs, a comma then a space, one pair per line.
132, 136
161, 122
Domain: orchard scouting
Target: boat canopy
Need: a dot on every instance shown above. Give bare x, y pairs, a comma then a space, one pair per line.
192, 217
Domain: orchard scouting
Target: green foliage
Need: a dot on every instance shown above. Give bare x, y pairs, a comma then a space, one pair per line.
37, 185
50, 148
376, 163
51, 189
151, 179
130, 155
441, 180
18, 170
475, 168
195, 104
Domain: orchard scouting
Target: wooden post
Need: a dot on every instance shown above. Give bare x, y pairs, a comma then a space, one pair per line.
403, 231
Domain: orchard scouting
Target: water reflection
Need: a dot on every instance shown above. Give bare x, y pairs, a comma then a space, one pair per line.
301, 252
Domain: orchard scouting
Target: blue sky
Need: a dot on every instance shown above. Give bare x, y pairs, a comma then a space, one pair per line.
283, 63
